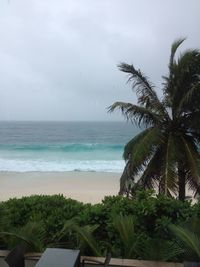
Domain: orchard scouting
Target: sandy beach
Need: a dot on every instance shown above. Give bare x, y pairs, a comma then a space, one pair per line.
88, 187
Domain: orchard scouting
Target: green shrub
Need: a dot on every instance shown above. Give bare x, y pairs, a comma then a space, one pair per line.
151, 218
52, 210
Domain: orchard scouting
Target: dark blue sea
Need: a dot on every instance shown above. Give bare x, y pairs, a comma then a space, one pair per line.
64, 146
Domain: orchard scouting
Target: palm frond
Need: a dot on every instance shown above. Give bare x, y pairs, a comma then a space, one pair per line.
125, 227
84, 234
193, 224
137, 153
147, 96
168, 180
160, 250
67, 228
127, 179
187, 62
142, 145
174, 48
169, 80
189, 238
186, 77
30, 235
140, 115
152, 173
192, 158
193, 184
191, 121
186, 99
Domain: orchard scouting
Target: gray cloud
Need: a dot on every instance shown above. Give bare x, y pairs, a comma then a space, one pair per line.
58, 58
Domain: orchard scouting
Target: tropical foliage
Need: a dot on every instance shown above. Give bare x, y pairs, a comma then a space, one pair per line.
129, 228
165, 154
188, 236
31, 236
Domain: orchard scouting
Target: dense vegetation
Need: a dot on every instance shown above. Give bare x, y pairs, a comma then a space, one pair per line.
165, 155
144, 227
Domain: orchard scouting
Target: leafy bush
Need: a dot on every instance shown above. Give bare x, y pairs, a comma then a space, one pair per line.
53, 211
72, 224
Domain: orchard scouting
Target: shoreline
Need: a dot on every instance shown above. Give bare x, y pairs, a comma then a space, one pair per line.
87, 187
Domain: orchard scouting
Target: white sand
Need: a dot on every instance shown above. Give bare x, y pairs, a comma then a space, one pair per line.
88, 187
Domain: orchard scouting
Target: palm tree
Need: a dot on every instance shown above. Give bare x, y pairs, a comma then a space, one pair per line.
165, 154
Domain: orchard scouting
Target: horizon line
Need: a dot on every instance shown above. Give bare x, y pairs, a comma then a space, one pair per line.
63, 121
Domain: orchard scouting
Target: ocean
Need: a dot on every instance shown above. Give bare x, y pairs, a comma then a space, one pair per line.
64, 146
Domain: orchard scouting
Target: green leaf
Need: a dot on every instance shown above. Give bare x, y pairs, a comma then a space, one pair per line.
169, 179
192, 157
125, 227
174, 48
140, 115
190, 239
142, 146
147, 96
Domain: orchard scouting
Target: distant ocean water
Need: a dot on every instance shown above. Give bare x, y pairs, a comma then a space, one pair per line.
64, 146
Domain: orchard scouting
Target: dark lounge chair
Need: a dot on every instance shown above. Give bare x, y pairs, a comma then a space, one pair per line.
16, 257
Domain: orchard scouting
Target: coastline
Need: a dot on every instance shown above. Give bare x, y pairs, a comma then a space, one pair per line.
87, 187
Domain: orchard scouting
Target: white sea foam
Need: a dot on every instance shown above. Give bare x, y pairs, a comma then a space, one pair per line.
18, 165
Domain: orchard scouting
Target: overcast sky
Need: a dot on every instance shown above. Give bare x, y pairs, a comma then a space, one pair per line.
58, 57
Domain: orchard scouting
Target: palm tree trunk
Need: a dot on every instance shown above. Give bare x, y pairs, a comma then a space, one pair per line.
181, 183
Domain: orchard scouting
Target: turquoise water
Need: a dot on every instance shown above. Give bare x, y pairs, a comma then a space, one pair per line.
64, 146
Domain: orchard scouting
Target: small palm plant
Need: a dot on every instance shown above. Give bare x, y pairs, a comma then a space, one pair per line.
165, 155
189, 238
125, 227
134, 245
30, 236
84, 236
